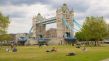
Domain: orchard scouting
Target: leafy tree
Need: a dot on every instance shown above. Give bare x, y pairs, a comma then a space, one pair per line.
6, 37
4, 22
93, 29
80, 36
108, 31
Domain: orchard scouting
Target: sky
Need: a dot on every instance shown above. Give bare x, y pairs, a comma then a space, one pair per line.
21, 12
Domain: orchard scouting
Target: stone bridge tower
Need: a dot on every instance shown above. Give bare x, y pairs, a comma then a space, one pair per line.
39, 29
68, 15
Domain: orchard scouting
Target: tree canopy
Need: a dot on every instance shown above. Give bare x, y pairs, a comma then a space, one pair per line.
7, 37
108, 30
4, 23
94, 28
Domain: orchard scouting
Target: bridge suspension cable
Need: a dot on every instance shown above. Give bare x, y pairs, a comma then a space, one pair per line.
69, 26
30, 29
66, 24
76, 23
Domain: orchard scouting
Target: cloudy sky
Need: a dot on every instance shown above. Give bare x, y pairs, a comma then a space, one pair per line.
22, 11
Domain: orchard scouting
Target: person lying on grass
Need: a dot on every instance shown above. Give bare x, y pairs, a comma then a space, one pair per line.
52, 50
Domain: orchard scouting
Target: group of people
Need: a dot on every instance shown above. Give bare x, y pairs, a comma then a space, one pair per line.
53, 49
81, 46
12, 48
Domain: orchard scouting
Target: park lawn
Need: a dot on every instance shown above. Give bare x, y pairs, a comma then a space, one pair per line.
34, 53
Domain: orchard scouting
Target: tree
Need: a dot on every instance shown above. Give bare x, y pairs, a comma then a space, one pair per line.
7, 37
4, 23
93, 29
108, 31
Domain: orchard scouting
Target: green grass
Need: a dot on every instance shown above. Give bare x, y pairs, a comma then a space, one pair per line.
34, 53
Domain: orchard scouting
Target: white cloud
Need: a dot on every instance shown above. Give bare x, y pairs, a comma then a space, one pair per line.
23, 24
17, 27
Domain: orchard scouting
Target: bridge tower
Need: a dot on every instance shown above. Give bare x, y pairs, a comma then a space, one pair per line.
39, 29
64, 12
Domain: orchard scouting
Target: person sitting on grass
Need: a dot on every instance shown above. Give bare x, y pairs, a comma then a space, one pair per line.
84, 48
78, 45
53, 49
14, 49
7, 50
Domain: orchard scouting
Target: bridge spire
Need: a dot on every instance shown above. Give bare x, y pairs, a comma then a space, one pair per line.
39, 18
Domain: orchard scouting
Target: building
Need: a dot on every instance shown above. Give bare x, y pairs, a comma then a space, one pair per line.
51, 33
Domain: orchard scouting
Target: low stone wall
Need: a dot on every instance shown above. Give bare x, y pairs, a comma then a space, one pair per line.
31, 42
56, 41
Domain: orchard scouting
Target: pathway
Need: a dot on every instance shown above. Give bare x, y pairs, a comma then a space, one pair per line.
106, 59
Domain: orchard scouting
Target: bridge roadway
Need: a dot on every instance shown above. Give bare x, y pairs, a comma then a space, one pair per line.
48, 21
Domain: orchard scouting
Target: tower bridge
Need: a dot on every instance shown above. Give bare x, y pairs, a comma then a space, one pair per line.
65, 24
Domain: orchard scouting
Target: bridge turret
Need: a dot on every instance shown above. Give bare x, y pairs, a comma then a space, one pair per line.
63, 10
39, 18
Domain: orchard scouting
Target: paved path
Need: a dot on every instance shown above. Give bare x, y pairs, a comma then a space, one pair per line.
106, 59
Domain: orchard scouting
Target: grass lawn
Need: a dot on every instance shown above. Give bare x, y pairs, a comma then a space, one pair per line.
34, 53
